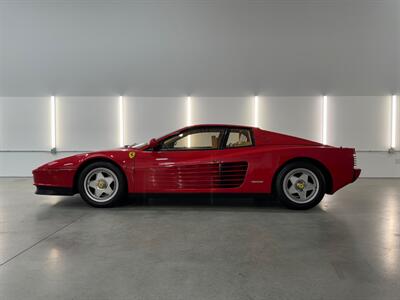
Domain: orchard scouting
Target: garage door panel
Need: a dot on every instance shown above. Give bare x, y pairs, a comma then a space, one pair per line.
298, 116
146, 118
361, 122
87, 123
25, 123
222, 110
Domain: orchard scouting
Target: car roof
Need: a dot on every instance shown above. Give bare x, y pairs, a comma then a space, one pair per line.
219, 125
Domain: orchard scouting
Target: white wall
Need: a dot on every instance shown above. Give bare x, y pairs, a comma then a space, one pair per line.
87, 123
379, 164
361, 122
222, 110
221, 52
298, 116
147, 118
25, 123
90, 123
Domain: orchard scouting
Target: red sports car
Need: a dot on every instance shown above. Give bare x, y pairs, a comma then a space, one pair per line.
205, 159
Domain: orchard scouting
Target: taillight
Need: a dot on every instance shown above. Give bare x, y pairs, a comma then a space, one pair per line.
355, 159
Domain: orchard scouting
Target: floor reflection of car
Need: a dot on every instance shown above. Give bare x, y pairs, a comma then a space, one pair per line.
205, 159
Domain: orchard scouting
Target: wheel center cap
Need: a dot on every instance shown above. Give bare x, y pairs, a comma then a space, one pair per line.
300, 185
101, 184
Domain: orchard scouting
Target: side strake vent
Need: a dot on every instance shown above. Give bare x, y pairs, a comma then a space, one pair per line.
199, 176
232, 174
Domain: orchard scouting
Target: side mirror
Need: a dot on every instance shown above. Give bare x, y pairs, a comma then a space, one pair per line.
153, 143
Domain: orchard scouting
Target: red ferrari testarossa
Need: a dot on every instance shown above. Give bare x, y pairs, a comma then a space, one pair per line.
205, 159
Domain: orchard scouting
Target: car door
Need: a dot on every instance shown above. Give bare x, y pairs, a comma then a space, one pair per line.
186, 162
241, 163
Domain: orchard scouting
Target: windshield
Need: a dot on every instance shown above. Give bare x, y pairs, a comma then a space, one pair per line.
142, 145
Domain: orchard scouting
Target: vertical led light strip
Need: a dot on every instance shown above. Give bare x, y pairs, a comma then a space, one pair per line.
324, 119
256, 103
189, 117
121, 121
188, 111
393, 122
53, 123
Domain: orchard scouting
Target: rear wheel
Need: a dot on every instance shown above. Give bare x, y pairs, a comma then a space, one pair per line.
101, 184
300, 185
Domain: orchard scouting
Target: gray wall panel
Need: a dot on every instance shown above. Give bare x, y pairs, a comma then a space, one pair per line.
209, 48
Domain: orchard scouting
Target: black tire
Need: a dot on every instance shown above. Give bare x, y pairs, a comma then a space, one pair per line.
315, 196
119, 184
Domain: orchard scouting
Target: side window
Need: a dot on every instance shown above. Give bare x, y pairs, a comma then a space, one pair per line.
197, 139
239, 138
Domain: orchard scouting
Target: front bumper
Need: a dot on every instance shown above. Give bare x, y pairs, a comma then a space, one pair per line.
356, 174
54, 190
63, 178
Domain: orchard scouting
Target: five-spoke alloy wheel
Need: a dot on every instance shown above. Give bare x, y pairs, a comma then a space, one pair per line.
101, 184
300, 185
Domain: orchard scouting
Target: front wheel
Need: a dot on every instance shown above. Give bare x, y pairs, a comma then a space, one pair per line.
300, 185
101, 184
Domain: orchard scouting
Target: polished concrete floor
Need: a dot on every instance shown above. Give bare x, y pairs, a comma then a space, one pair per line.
58, 248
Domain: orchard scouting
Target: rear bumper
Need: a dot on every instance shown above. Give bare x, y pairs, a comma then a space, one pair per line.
54, 190
356, 174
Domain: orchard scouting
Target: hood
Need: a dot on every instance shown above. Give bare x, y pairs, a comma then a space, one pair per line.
73, 161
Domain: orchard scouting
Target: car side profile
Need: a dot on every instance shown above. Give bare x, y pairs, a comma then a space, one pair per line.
205, 159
